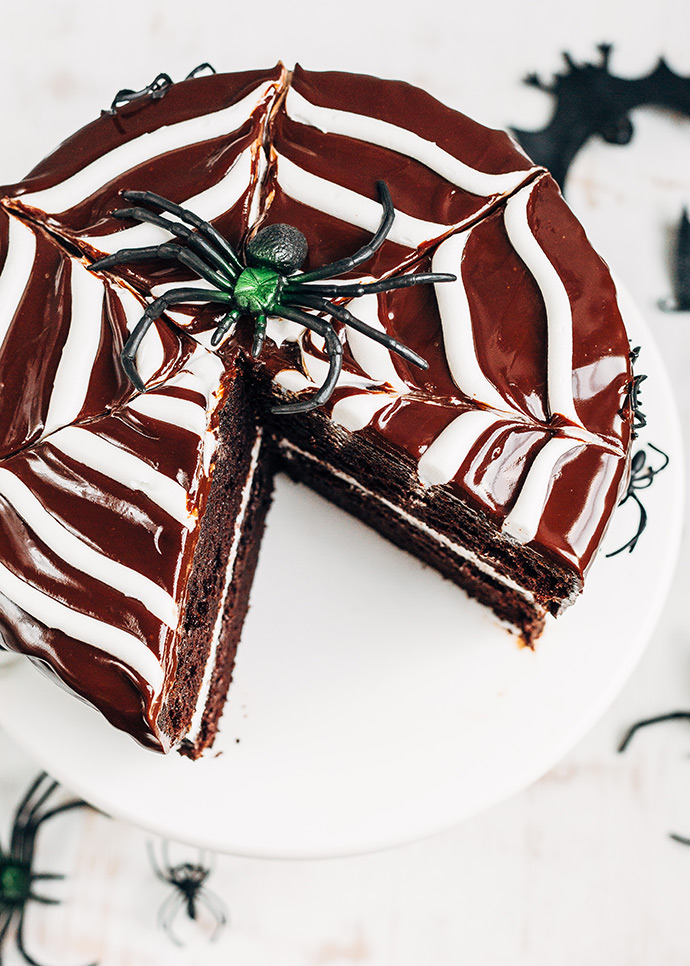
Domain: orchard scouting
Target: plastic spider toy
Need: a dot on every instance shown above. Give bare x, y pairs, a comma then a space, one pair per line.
17, 877
658, 719
641, 478
189, 882
269, 284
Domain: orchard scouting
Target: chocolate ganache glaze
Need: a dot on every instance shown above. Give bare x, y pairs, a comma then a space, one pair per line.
520, 426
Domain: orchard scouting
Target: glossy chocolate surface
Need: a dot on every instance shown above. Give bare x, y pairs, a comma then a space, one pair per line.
536, 305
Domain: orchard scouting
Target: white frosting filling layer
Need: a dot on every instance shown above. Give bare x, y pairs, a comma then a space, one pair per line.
289, 449
205, 689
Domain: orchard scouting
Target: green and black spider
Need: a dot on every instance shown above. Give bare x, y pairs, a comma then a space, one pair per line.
268, 284
17, 877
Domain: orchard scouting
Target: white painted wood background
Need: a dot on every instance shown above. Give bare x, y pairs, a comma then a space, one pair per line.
579, 868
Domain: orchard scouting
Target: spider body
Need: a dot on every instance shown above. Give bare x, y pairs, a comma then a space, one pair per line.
189, 892
17, 878
189, 879
269, 283
15, 883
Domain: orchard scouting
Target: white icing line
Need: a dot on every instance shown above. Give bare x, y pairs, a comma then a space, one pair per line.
372, 357
81, 627
16, 272
283, 330
75, 189
559, 316
523, 520
81, 556
292, 380
79, 350
387, 135
181, 413
202, 373
584, 527
204, 691
151, 354
117, 464
208, 205
446, 454
357, 411
441, 538
348, 206
456, 323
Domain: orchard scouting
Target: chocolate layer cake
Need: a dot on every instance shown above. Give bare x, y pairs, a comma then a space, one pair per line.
131, 519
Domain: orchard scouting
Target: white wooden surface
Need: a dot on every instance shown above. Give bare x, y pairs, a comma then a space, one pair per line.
579, 868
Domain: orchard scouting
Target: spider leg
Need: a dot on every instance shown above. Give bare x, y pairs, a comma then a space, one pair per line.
167, 250
679, 838
21, 945
641, 526
44, 900
341, 313
217, 909
672, 716
25, 802
175, 296
189, 218
24, 817
194, 240
31, 831
67, 807
6, 916
154, 862
365, 288
259, 335
334, 350
366, 251
224, 326
168, 913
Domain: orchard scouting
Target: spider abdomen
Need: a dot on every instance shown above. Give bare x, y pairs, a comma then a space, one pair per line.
281, 247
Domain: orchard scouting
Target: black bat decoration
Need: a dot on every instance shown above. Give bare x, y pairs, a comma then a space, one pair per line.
590, 100
680, 302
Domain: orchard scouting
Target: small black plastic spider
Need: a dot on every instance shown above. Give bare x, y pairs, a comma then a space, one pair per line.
189, 882
645, 723
17, 877
268, 284
641, 478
